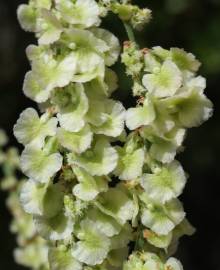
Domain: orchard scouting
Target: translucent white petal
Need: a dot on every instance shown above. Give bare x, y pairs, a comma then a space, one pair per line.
93, 246
140, 116
130, 164
56, 228
89, 186
77, 142
61, 258
39, 166
166, 184
114, 115
166, 82
83, 13
173, 264
112, 42
100, 160
31, 129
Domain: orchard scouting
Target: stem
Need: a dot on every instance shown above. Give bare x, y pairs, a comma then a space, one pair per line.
130, 32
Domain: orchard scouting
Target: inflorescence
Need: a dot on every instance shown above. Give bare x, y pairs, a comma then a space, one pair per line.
103, 181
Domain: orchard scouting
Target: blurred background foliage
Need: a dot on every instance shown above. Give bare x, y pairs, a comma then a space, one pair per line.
190, 24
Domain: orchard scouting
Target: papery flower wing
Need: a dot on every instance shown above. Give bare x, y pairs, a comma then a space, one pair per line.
73, 105
166, 82
173, 264
27, 17
116, 204
130, 164
166, 184
61, 258
89, 186
33, 90
140, 116
31, 129
38, 199
113, 117
163, 219
93, 246
77, 142
112, 54
56, 228
100, 160
48, 27
81, 13
39, 166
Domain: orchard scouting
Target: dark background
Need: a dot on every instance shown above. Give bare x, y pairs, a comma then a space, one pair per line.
190, 24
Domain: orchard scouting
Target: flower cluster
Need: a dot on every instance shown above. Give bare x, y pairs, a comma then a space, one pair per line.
32, 249
127, 12
170, 100
96, 191
151, 261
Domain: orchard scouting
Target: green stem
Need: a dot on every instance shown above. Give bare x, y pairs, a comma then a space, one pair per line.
129, 31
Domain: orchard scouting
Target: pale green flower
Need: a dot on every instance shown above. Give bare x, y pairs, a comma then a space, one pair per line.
59, 227
173, 264
141, 116
134, 263
81, 13
166, 183
130, 163
162, 219
113, 117
99, 160
164, 148
53, 73
116, 204
35, 52
27, 17
72, 105
30, 129
47, 74
93, 246
164, 82
159, 241
151, 63
33, 255
48, 27
161, 52
99, 88
105, 223
152, 262
184, 60
88, 52
112, 54
61, 258
98, 103
77, 142
190, 107
33, 90
145, 261
38, 165
89, 186
41, 199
